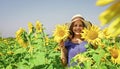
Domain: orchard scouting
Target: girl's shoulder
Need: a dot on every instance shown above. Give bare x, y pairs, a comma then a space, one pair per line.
68, 42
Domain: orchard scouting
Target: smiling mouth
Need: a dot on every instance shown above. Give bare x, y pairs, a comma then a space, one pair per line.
77, 33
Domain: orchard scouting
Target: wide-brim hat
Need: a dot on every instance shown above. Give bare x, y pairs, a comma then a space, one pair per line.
76, 17
88, 24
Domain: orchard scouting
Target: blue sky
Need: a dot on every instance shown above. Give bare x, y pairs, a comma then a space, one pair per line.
17, 13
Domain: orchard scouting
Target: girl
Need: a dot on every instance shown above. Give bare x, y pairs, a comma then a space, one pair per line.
74, 44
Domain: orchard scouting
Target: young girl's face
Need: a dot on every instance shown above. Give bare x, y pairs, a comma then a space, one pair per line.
77, 27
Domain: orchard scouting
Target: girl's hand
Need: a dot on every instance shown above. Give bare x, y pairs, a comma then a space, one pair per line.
63, 55
61, 44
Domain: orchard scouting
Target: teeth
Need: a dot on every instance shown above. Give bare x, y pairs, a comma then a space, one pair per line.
77, 33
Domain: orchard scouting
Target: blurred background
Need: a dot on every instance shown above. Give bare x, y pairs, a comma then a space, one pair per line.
17, 13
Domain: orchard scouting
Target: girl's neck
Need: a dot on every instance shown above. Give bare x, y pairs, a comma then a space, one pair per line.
77, 39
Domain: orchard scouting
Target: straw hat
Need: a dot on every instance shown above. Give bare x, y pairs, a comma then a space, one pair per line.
79, 16
88, 24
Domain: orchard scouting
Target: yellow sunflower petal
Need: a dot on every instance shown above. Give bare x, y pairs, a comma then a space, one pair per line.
110, 13
114, 27
61, 32
30, 27
103, 2
38, 27
19, 32
115, 59
91, 34
105, 33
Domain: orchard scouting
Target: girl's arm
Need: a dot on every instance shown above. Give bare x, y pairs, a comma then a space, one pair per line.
63, 53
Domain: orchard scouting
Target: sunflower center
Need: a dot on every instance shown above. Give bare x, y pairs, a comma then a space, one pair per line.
92, 35
114, 53
61, 33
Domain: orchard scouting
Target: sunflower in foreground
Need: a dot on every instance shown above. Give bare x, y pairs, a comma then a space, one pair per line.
103, 2
111, 15
91, 35
114, 28
60, 33
111, 12
115, 55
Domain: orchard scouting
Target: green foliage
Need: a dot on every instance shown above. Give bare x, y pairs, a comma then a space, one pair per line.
100, 57
37, 55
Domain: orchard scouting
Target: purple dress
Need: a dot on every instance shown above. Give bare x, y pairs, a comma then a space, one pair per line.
74, 49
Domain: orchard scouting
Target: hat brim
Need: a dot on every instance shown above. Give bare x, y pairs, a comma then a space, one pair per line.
88, 24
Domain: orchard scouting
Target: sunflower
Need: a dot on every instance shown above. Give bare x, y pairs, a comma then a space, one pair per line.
38, 27
103, 2
114, 27
21, 37
111, 15
19, 32
31, 27
111, 12
22, 42
115, 55
105, 33
91, 35
61, 33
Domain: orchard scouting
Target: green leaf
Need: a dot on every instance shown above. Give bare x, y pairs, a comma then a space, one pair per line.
20, 50
103, 67
38, 59
88, 64
96, 58
9, 66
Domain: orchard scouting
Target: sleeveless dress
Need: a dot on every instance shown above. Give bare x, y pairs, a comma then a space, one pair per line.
74, 49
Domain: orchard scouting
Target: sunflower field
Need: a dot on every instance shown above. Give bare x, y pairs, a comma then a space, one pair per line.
29, 50
34, 49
